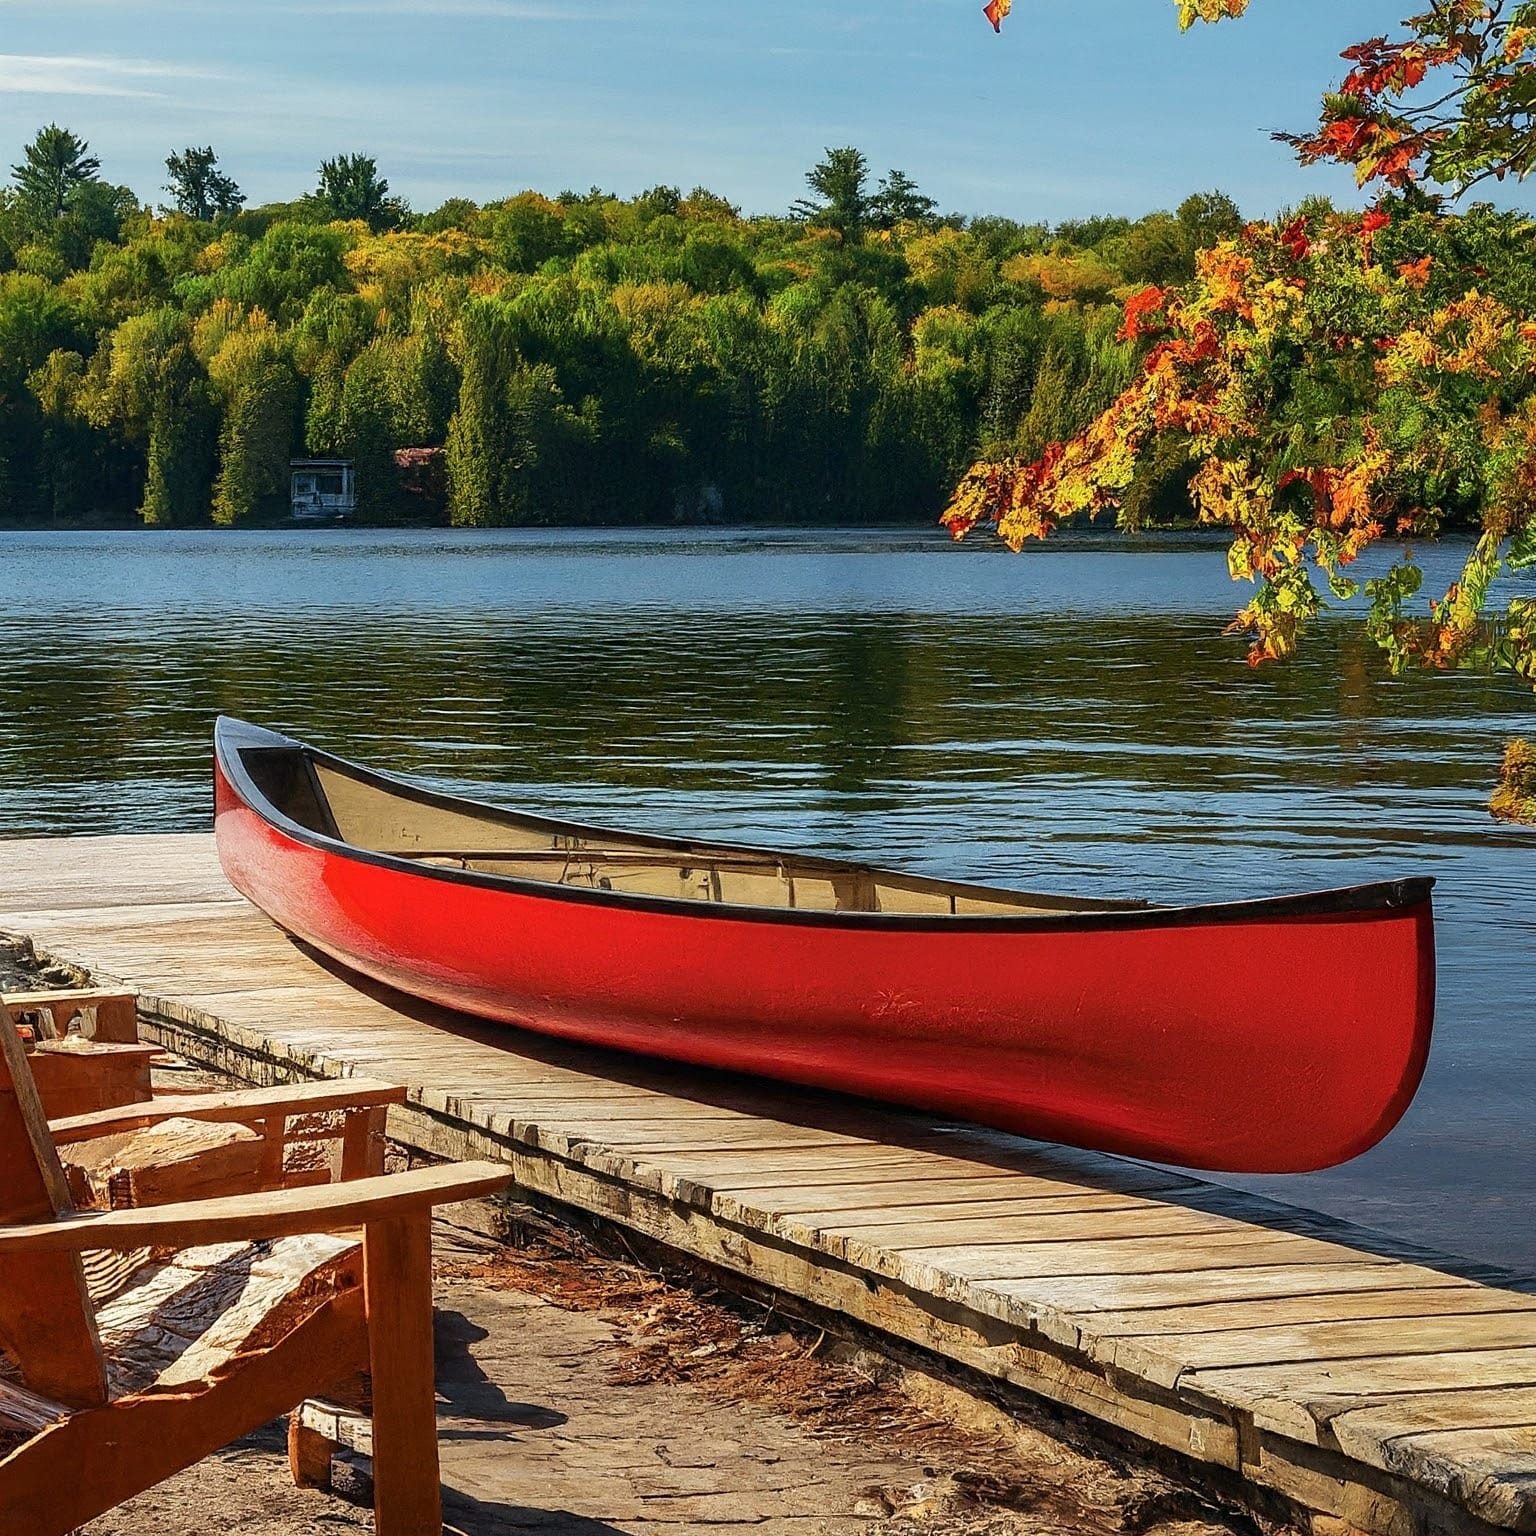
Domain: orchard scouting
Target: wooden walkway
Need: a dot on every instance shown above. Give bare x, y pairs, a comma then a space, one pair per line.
1361, 1379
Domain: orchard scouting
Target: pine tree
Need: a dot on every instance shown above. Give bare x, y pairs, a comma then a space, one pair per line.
53, 165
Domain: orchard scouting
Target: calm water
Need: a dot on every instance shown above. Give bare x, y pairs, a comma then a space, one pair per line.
1070, 718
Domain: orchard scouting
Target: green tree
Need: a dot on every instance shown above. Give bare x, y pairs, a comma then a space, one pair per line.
281, 274
526, 231
258, 390
897, 200
351, 188
96, 214
659, 202
703, 204
1090, 233
366, 432
82, 470
199, 188
515, 450
1205, 218
1155, 249
842, 202
455, 213
148, 384
34, 319
53, 166
479, 449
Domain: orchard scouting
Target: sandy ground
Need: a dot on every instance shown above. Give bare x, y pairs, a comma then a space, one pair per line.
582, 1394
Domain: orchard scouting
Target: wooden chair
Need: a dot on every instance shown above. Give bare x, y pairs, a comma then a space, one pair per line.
122, 1144
83, 1047
237, 1310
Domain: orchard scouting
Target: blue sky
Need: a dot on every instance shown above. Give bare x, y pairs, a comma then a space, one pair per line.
1080, 106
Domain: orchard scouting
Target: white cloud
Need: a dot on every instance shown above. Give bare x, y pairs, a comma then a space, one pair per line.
42, 74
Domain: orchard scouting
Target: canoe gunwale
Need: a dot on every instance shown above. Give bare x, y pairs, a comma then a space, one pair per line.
232, 737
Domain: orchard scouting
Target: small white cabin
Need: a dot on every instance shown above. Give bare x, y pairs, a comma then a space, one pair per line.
323, 490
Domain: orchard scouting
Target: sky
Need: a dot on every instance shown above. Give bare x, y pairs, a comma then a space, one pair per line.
1079, 107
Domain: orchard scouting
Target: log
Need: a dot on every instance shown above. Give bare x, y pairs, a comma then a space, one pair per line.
175, 1161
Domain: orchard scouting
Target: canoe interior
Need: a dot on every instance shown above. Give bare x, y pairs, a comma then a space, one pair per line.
354, 807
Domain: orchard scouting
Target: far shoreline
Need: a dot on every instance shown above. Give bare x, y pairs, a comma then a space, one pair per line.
1183, 535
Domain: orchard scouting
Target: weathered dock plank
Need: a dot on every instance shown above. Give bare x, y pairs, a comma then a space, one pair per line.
1356, 1375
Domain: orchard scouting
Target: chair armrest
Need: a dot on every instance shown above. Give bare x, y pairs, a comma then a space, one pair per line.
117, 1014
240, 1107
248, 1218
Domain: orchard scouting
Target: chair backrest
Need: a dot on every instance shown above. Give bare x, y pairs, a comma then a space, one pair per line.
47, 1325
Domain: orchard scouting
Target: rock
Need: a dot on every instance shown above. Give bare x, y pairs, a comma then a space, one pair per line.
22, 969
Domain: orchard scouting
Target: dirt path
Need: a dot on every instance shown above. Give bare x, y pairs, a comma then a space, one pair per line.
584, 1395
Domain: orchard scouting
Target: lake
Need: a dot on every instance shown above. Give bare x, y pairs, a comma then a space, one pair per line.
1071, 718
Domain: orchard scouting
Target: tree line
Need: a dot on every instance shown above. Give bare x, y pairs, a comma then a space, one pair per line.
539, 359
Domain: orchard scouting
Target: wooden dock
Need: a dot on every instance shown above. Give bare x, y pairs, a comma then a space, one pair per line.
1368, 1383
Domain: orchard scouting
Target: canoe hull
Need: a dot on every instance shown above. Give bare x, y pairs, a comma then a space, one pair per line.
1262, 1045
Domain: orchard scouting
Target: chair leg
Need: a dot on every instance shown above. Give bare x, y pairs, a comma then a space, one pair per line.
309, 1454
397, 1281
362, 1144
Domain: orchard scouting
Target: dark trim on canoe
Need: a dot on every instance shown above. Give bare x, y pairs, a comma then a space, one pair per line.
232, 737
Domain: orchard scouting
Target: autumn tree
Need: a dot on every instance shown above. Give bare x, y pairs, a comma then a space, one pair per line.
575, 358
1450, 101
1340, 377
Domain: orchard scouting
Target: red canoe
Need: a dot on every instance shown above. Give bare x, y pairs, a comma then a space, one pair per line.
1257, 1037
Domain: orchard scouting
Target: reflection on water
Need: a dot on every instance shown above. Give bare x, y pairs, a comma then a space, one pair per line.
1072, 718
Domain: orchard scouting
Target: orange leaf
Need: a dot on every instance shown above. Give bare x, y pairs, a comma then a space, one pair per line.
1139, 308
